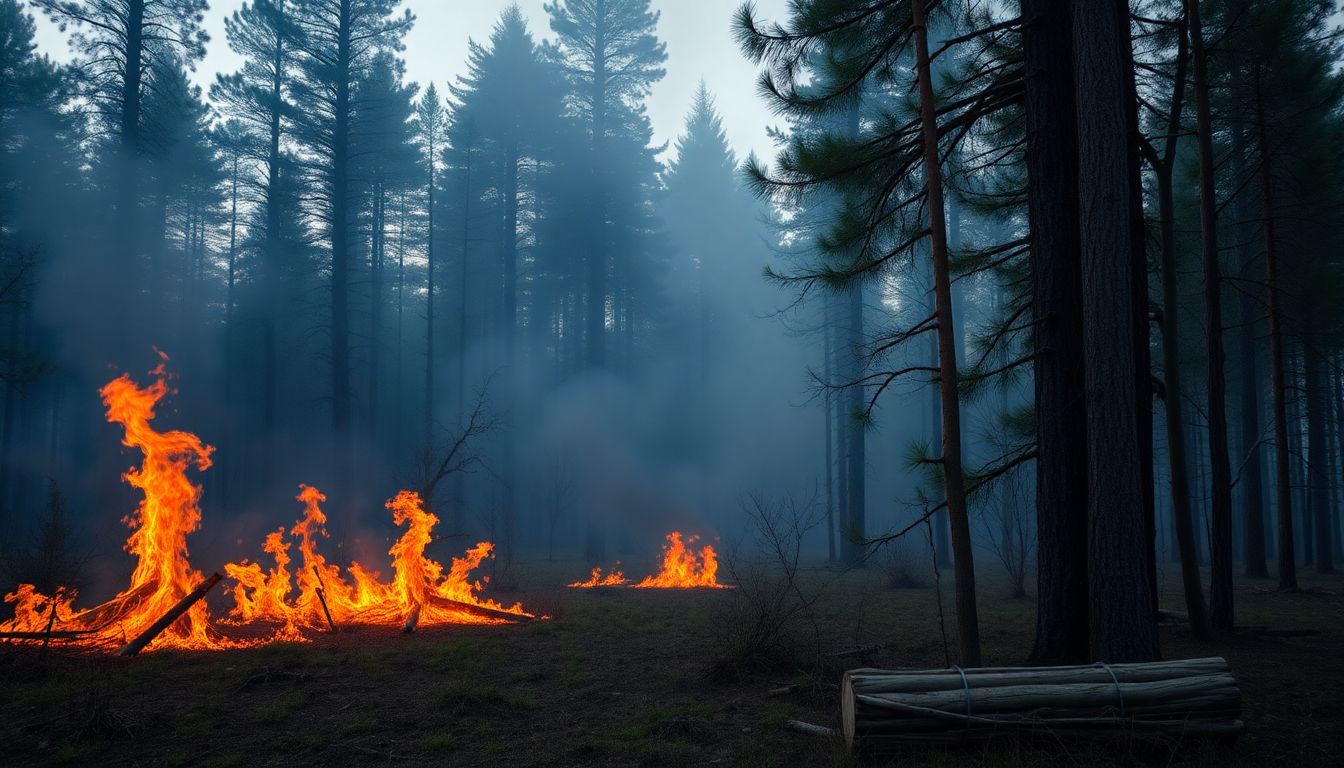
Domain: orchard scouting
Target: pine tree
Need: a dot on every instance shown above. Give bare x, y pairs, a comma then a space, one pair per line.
119, 41
338, 41
259, 96
430, 127
611, 57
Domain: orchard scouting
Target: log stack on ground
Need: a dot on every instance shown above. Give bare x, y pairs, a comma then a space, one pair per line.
884, 709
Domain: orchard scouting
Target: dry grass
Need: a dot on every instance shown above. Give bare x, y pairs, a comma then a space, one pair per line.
621, 678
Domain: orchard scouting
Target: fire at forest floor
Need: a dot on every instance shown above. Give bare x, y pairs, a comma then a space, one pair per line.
623, 677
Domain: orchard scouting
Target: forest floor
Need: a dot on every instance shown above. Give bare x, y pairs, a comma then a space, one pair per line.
628, 677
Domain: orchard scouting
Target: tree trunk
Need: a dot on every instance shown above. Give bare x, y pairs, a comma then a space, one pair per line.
1252, 398
128, 167
509, 321
459, 482
829, 374
1122, 618
953, 477
431, 265
340, 258
273, 274
1337, 428
1220, 469
597, 256
377, 263
1171, 361
1318, 465
1056, 282
1297, 466
1283, 486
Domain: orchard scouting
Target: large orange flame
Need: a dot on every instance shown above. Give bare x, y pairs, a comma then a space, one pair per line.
682, 569
291, 599
166, 515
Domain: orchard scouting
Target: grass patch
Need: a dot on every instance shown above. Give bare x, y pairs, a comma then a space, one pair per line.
440, 741
463, 700
281, 709
75, 752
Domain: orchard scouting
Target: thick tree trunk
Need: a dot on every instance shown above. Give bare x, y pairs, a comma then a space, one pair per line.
1056, 280
1220, 469
1287, 566
1122, 618
968, 624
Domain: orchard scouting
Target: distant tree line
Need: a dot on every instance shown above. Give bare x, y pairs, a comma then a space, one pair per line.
344, 255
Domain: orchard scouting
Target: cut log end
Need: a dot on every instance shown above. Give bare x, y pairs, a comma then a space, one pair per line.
412, 619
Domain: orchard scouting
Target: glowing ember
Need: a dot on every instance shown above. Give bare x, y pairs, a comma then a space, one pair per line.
168, 513
419, 584
682, 568
613, 579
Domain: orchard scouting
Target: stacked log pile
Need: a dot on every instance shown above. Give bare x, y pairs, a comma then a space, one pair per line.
882, 709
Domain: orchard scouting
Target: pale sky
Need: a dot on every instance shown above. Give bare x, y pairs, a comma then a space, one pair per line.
697, 32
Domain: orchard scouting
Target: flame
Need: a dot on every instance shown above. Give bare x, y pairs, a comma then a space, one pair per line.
419, 583
168, 512
682, 569
287, 597
613, 579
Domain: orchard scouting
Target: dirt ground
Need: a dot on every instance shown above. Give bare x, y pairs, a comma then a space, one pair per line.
627, 677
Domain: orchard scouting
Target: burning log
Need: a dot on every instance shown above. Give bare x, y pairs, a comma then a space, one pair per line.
145, 638
477, 610
322, 598
58, 634
884, 709
412, 619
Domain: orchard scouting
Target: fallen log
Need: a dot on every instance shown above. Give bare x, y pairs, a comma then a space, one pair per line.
811, 729
884, 709
145, 638
57, 634
478, 610
864, 651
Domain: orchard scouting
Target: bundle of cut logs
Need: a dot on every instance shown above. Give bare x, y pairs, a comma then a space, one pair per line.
883, 709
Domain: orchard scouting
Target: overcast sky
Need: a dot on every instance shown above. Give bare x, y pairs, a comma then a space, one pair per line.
697, 32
